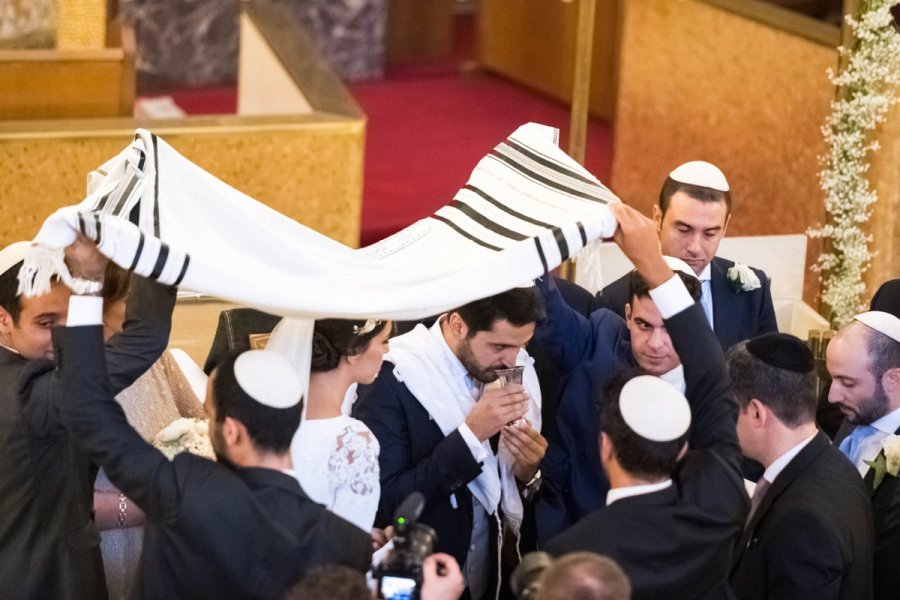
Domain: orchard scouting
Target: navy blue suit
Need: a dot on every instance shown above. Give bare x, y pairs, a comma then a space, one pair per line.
588, 352
415, 456
737, 316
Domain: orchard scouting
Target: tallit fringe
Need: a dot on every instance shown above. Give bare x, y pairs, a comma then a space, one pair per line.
44, 265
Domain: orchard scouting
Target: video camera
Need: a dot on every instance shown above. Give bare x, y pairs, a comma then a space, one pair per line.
400, 574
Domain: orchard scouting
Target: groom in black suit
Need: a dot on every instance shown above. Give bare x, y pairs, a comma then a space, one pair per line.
674, 509
810, 533
693, 212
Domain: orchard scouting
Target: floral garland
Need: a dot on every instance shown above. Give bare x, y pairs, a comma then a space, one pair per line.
867, 88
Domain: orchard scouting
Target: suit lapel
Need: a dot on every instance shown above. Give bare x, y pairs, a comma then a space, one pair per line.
723, 308
784, 479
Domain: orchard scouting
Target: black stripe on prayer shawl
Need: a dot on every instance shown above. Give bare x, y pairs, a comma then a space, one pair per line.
544, 180
540, 249
160, 261
137, 253
184, 268
102, 202
124, 197
155, 187
97, 225
464, 233
583, 233
561, 242
81, 224
485, 222
550, 164
143, 156
507, 209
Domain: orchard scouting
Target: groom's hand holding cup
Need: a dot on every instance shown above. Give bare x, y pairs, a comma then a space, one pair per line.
497, 407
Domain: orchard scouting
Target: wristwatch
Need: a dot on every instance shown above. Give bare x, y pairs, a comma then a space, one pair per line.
533, 485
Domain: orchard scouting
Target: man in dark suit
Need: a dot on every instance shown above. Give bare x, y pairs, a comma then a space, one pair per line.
887, 297
809, 533
439, 428
237, 528
693, 212
863, 360
588, 352
670, 522
49, 546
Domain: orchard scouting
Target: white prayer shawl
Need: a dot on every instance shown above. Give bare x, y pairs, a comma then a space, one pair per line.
526, 207
422, 366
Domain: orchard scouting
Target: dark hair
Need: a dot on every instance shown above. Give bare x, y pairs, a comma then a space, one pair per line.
638, 286
637, 455
334, 338
790, 395
584, 576
116, 283
330, 582
9, 292
519, 306
704, 194
883, 353
270, 429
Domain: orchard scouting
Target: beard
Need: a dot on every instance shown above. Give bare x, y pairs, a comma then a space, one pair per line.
478, 373
871, 409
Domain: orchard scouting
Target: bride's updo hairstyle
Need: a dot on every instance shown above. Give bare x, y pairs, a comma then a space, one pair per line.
336, 338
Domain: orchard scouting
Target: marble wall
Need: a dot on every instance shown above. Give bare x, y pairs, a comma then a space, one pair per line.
195, 42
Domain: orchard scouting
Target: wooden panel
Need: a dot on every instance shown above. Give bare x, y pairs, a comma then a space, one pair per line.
533, 42
418, 29
697, 82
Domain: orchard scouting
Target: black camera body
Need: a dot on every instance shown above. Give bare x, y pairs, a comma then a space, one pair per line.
400, 575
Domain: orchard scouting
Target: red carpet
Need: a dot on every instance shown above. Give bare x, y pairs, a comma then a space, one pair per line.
425, 135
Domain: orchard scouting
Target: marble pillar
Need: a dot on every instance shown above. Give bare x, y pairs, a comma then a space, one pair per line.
27, 24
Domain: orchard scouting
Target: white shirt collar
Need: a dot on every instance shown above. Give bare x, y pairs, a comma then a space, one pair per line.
706, 273
636, 490
13, 350
675, 378
889, 423
782, 461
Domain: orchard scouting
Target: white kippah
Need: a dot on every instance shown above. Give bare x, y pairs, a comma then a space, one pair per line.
268, 378
881, 322
676, 264
702, 173
13, 255
654, 409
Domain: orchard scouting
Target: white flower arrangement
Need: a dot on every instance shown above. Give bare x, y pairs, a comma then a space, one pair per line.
185, 435
867, 88
741, 278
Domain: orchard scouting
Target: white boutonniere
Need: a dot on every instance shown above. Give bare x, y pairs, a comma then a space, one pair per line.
741, 278
185, 435
888, 460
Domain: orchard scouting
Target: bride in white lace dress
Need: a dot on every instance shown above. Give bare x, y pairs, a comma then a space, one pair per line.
335, 456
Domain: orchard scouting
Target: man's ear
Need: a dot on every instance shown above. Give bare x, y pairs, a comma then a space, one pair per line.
458, 327
233, 431
758, 413
727, 221
6, 322
628, 312
606, 448
657, 217
890, 381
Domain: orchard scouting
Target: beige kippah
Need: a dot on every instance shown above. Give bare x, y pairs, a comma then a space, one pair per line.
268, 378
701, 173
654, 409
881, 322
13, 255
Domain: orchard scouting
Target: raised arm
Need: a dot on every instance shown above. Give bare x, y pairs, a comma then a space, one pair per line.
564, 334
97, 423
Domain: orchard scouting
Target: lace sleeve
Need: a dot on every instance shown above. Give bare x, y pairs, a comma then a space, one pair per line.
354, 475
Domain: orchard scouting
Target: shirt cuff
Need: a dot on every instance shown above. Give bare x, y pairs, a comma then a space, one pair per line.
671, 297
85, 310
475, 446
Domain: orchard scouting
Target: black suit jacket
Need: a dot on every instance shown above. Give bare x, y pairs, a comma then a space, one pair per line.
212, 531
677, 542
49, 546
736, 316
812, 535
415, 456
886, 513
